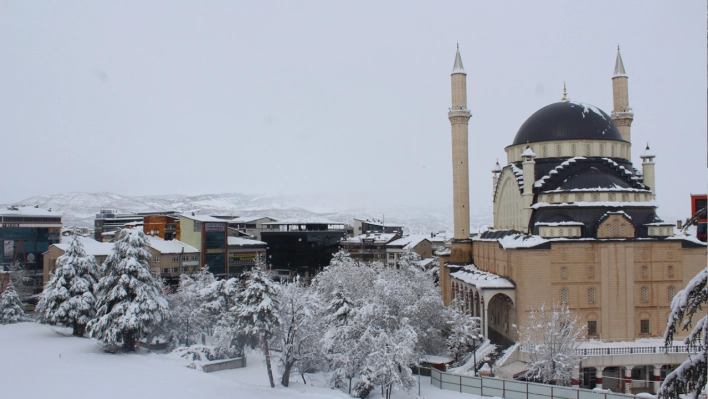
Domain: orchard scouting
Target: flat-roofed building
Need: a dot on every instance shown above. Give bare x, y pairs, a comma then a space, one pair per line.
368, 247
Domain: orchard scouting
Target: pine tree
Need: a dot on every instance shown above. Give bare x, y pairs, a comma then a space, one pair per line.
256, 313
68, 296
692, 374
10, 306
130, 302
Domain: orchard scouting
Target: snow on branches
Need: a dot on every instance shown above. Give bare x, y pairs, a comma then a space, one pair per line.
130, 302
551, 337
692, 374
68, 297
10, 306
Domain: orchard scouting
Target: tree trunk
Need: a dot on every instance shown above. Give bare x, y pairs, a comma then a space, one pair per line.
79, 330
303, 378
286, 373
266, 352
129, 342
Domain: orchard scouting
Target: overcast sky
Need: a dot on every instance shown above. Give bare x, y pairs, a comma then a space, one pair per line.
143, 98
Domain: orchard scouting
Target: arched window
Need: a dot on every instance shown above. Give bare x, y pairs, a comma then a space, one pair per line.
596, 197
602, 150
607, 230
611, 196
579, 197
612, 149
550, 198
588, 150
560, 232
591, 271
624, 230
564, 272
544, 151
645, 294
564, 295
551, 232
670, 293
671, 271
564, 198
591, 295
559, 150
615, 228
645, 271
573, 150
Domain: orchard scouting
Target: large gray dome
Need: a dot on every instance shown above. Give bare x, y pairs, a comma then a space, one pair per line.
567, 121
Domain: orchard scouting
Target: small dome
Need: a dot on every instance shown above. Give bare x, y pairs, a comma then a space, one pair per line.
567, 121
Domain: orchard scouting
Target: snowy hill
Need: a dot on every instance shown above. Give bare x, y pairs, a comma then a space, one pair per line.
80, 209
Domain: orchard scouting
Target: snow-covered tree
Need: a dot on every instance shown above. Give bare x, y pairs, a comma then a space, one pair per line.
130, 302
256, 311
551, 337
10, 306
298, 335
391, 356
464, 335
189, 319
20, 278
692, 374
68, 296
409, 259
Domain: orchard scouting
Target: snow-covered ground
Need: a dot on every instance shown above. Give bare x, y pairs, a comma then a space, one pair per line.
39, 361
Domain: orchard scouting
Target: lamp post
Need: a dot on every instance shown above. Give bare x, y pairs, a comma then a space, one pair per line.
474, 343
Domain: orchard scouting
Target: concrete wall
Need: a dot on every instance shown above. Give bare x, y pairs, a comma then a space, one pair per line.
227, 364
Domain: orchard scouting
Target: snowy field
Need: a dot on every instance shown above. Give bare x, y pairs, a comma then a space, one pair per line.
39, 361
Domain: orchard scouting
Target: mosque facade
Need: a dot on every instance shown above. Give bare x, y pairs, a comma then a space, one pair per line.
575, 223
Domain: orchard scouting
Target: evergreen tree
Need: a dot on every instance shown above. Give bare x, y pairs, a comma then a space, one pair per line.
256, 311
130, 302
68, 296
10, 306
692, 374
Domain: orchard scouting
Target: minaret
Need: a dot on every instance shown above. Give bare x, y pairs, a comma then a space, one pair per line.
622, 114
459, 116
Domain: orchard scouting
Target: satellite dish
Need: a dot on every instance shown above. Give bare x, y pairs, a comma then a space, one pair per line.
30, 258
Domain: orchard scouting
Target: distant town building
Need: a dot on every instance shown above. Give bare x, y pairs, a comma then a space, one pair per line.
361, 226
368, 247
163, 226
301, 247
111, 220
250, 225
209, 235
26, 232
419, 244
99, 250
243, 253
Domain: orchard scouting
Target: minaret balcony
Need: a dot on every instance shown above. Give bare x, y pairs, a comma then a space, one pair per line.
622, 115
455, 113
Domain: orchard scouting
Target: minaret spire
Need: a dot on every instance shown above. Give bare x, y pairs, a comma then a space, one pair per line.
458, 68
459, 117
622, 114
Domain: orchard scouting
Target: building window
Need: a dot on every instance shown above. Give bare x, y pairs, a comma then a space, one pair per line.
611, 196
550, 198
573, 150
587, 150
175, 259
602, 150
564, 272
596, 197
560, 232
564, 198
391, 256
671, 271
645, 294
564, 295
591, 271
579, 197
156, 259
612, 150
551, 232
592, 328
671, 294
623, 230
644, 328
615, 230
591, 295
607, 230
545, 151
559, 150
645, 271
625, 197
636, 197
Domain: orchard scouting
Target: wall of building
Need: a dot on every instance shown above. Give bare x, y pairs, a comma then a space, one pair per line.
572, 148
187, 234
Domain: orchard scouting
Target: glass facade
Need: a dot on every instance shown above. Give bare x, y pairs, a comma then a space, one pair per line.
214, 247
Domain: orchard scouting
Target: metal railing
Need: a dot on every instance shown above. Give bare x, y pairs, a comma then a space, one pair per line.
509, 389
634, 350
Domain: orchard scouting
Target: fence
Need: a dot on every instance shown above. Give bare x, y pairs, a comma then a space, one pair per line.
635, 350
485, 386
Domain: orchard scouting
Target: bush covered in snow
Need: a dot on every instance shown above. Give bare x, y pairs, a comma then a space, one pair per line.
10, 306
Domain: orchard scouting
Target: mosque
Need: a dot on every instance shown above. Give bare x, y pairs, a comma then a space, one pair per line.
575, 223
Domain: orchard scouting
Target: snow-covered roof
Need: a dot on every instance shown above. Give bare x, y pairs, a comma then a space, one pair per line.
659, 224
303, 221
516, 240
541, 181
91, 246
239, 241
481, 279
556, 224
204, 218
648, 153
614, 204
528, 153
597, 189
171, 246
23, 210
432, 359
497, 168
246, 219
376, 238
409, 241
